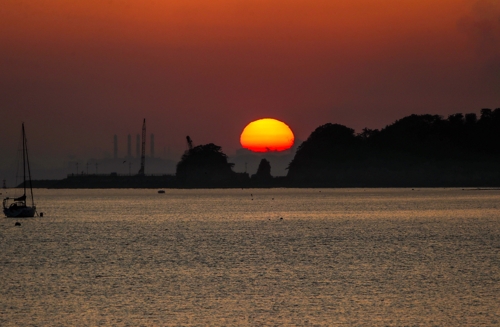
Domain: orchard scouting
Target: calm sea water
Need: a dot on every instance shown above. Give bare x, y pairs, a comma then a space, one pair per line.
277, 257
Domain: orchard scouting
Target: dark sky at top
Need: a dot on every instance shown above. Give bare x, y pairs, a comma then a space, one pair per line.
78, 72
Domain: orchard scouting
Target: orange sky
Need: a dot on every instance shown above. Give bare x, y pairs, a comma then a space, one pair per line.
218, 23
81, 71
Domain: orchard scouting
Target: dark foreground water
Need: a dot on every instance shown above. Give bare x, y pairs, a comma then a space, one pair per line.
350, 257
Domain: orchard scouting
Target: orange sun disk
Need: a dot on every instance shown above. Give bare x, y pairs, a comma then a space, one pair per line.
267, 134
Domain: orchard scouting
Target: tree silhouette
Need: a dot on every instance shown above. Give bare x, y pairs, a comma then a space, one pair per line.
204, 165
263, 176
264, 169
327, 148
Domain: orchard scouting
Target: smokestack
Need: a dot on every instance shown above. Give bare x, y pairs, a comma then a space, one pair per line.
138, 146
143, 149
129, 146
115, 147
152, 145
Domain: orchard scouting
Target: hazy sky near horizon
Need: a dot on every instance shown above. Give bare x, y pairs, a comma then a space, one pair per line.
78, 72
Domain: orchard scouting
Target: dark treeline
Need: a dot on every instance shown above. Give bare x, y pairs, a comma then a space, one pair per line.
418, 150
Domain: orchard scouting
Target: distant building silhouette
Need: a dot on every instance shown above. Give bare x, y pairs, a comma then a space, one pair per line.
138, 146
152, 145
129, 146
115, 147
143, 149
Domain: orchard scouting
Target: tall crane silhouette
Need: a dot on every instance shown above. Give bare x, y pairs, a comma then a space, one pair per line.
189, 143
143, 153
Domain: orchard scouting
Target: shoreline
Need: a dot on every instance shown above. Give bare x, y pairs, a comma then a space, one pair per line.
154, 182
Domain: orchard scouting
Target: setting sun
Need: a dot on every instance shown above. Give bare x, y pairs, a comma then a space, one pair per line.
267, 134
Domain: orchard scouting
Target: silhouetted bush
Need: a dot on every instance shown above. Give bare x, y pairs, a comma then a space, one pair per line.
263, 176
264, 169
205, 166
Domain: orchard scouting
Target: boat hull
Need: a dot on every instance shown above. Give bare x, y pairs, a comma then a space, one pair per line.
20, 212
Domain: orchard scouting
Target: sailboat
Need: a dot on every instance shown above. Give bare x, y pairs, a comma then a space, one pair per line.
18, 207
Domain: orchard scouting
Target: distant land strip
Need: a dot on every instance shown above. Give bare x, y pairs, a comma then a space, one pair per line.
415, 151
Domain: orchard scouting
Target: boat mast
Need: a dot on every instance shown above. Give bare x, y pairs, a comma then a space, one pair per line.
25, 146
143, 154
24, 161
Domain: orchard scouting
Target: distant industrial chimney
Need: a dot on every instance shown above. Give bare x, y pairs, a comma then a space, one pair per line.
143, 149
129, 146
152, 145
115, 147
138, 146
